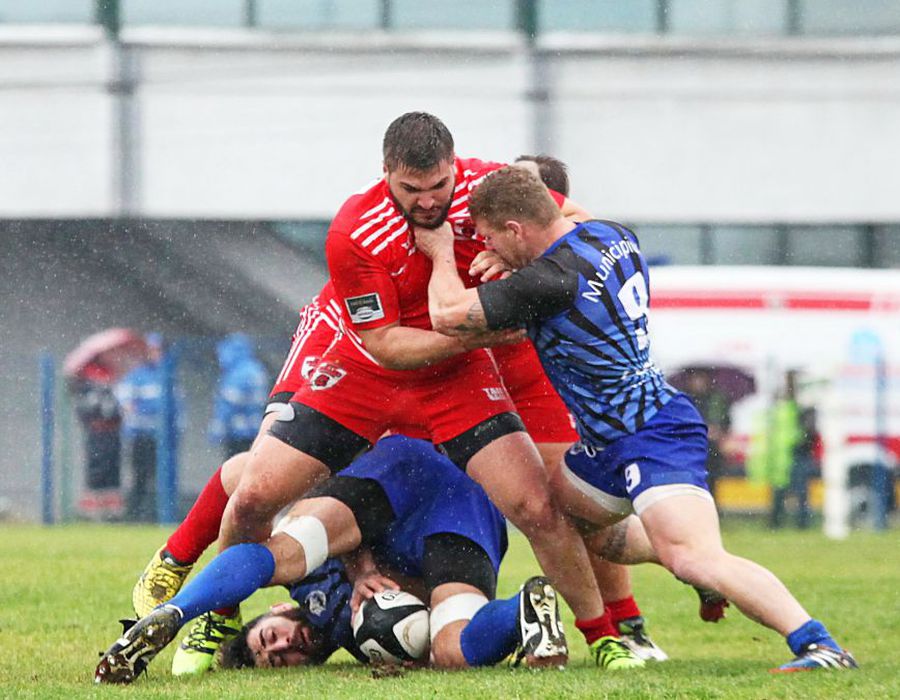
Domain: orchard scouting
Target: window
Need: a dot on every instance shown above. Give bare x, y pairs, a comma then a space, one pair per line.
674, 245
842, 17
457, 14
838, 246
728, 17
746, 245
886, 246
213, 13
318, 14
47, 11
599, 15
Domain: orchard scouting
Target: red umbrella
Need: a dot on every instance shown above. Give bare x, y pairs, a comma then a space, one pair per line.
114, 352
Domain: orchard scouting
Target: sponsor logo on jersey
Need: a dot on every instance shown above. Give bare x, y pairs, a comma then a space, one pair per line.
364, 308
316, 602
494, 393
325, 376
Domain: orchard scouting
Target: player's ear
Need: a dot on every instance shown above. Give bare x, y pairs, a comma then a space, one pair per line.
279, 608
514, 227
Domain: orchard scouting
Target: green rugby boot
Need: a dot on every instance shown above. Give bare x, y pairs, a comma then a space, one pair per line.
197, 652
612, 654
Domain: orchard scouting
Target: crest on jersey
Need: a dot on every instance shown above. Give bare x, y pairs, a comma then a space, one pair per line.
309, 366
316, 602
365, 308
325, 376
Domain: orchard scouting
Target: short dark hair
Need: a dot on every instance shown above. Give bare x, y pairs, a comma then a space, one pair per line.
512, 193
553, 171
235, 653
417, 141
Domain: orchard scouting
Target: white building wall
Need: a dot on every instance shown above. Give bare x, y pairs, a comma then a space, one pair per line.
55, 127
253, 126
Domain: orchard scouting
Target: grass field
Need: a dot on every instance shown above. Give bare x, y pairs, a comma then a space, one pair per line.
62, 590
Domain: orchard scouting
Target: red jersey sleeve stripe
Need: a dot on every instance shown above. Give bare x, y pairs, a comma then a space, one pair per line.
362, 229
387, 227
387, 241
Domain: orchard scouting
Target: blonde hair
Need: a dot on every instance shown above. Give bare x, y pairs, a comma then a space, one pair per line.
512, 194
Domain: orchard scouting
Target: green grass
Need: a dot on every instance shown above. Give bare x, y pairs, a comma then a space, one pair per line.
62, 590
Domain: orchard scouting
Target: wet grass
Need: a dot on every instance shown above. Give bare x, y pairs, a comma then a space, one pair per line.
62, 590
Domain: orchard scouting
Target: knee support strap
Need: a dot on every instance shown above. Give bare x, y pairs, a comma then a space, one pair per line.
461, 606
309, 533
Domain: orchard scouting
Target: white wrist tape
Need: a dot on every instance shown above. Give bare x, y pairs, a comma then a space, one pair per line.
310, 533
461, 606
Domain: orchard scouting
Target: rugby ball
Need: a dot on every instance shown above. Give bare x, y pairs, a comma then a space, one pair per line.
392, 627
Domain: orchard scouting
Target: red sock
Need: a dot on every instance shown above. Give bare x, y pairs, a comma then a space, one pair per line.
623, 609
598, 627
201, 526
226, 612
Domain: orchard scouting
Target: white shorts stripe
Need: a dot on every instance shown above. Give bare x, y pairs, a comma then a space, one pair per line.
614, 504
659, 493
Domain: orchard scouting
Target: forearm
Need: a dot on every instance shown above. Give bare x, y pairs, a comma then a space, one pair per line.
359, 563
449, 302
406, 348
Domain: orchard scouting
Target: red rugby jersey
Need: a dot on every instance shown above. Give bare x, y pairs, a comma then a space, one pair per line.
378, 274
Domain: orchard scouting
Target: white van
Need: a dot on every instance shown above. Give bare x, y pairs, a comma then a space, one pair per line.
839, 327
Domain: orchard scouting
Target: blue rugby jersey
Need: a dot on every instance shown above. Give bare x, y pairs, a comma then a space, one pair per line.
324, 595
584, 303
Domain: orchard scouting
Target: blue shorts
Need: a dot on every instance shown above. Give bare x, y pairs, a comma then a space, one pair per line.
666, 457
429, 495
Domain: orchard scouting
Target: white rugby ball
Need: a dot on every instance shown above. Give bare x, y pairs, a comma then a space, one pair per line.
392, 627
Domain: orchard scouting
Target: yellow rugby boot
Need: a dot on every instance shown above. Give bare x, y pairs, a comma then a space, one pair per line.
159, 583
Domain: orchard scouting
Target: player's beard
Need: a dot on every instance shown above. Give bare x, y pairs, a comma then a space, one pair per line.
437, 222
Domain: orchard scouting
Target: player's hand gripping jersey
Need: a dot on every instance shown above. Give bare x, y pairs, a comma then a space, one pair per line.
585, 303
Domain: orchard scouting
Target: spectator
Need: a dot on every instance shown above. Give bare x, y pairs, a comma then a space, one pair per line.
783, 452
715, 407
101, 419
140, 395
241, 395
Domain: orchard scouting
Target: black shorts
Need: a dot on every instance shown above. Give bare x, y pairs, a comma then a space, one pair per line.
319, 436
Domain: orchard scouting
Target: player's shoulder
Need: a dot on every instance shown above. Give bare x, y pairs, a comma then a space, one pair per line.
607, 227
362, 205
368, 220
471, 171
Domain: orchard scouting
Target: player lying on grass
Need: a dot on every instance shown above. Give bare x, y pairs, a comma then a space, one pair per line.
418, 516
582, 292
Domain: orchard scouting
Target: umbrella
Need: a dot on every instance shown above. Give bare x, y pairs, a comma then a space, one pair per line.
734, 382
115, 350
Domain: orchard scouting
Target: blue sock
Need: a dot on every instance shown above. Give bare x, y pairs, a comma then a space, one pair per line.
227, 580
812, 632
492, 634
